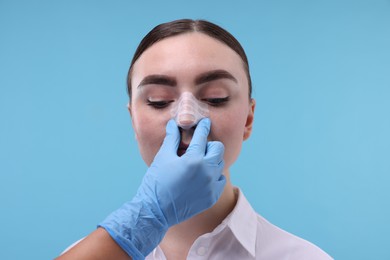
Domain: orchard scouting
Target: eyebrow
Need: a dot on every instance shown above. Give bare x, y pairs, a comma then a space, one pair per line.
205, 77
214, 75
158, 80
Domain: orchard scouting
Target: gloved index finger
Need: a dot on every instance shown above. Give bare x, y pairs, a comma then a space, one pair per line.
199, 140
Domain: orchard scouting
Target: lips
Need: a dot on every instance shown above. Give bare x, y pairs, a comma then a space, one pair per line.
185, 140
182, 149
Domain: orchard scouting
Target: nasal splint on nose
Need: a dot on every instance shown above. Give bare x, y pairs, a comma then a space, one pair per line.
188, 110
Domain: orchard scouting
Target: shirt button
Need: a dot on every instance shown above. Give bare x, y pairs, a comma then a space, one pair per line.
201, 250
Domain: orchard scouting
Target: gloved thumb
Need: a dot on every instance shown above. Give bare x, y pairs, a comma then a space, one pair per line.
172, 138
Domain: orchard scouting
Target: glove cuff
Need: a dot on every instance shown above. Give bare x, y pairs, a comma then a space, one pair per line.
126, 245
137, 227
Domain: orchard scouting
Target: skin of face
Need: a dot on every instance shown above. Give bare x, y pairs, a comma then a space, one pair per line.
204, 66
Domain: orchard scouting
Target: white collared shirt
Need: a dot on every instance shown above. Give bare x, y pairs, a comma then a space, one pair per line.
246, 235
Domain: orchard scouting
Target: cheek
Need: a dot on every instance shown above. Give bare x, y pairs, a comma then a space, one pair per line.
228, 127
150, 132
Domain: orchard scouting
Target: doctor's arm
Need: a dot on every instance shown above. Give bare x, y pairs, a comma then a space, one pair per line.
98, 245
174, 189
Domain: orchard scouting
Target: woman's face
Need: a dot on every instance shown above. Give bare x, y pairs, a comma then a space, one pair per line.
211, 71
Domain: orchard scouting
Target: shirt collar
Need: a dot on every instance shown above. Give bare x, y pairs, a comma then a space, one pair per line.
242, 221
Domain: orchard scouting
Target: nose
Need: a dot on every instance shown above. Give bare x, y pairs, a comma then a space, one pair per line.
188, 111
186, 114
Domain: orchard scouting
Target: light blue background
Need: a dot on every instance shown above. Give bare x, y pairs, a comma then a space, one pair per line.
317, 164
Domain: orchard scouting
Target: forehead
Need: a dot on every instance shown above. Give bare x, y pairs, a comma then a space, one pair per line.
186, 55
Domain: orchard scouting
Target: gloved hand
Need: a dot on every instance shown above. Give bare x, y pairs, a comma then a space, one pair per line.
173, 189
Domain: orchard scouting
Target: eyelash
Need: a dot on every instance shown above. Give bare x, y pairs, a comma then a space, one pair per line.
159, 104
215, 102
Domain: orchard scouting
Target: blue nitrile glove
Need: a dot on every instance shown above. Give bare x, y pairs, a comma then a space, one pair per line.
173, 189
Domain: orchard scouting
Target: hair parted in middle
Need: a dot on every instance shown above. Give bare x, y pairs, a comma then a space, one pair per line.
183, 26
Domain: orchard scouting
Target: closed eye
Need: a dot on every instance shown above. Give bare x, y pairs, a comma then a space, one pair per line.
159, 104
216, 101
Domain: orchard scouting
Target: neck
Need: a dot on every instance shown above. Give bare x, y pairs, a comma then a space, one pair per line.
184, 234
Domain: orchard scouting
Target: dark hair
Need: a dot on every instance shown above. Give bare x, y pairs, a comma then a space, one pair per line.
182, 26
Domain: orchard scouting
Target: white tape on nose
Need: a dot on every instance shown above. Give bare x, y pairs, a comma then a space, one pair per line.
187, 110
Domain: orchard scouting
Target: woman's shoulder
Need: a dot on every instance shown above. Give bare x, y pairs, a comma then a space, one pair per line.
276, 243
268, 240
